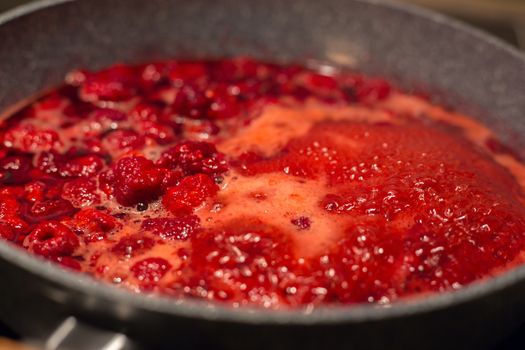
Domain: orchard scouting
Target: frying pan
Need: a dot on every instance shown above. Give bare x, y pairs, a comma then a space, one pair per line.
417, 49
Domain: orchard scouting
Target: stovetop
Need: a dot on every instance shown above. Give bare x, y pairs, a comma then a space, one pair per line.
503, 18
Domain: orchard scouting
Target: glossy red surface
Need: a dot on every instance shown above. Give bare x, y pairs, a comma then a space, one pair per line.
129, 174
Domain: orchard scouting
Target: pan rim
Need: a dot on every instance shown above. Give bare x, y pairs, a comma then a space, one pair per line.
216, 312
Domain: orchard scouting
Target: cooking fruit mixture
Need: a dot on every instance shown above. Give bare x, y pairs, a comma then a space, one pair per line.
258, 184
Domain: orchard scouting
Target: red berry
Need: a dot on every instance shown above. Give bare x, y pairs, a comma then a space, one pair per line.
81, 166
108, 116
366, 89
93, 224
190, 193
161, 133
194, 157
123, 140
68, 262
52, 239
185, 72
15, 169
150, 271
51, 101
247, 262
28, 138
132, 245
81, 192
191, 102
180, 228
35, 191
117, 83
136, 179
153, 74
9, 206
70, 165
146, 112
320, 81
50, 209
7, 232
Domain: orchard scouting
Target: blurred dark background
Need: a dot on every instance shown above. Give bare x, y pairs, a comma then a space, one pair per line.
502, 18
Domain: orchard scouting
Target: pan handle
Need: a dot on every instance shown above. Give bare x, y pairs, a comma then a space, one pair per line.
72, 334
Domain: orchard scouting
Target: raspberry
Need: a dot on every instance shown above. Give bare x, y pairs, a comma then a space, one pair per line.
9, 206
50, 209
35, 191
70, 165
117, 83
132, 245
93, 224
153, 74
81, 166
123, 141
14, 229
136, 179
319, 81
106, 116
150, 271
51, 101
52, 239
204, 128
191, 102
194, 157
162, 134
245, 262
28, 138
190, 193
185, 72
15, 169
366, 89
81, 192
226, 103
364, 264
68, 262
146, 112
78, 110
180, 228
7, 232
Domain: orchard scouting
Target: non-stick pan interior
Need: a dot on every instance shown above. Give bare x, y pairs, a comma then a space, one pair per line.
421, 51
